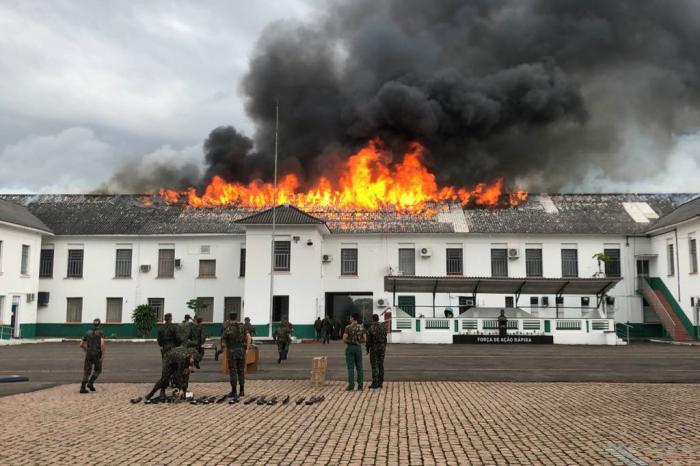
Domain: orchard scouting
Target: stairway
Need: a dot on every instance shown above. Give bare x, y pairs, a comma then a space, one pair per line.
656, 294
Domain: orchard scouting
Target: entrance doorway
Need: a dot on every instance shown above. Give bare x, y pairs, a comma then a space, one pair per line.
339, 306
14, 316
642, 273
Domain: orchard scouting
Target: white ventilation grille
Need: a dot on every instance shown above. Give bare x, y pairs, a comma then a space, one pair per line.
456, 217
547, 204
641, 212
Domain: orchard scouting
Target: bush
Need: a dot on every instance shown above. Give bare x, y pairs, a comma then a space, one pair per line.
145, 318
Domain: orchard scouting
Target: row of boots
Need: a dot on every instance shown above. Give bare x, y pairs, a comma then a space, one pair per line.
89, 384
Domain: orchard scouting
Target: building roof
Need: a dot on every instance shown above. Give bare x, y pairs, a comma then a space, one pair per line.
17, 214
687, 211
284, 215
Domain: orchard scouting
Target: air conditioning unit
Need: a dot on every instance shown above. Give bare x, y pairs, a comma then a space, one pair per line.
326, 258
381, 302
43, 298
513, 253
178, 263
426, 252
30, 297
610, 301
145, 268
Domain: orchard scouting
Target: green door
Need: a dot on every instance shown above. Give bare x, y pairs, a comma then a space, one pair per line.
408, 305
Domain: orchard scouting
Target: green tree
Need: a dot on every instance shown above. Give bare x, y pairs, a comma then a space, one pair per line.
601, 258
197, 306
145, 318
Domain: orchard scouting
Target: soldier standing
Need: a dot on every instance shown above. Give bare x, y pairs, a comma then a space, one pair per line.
353, 337
376, 347
185, 330
326, 329
317, 327
235, 341
283, 338
198, 337
249, 327
177, 366
167, 336
93, 343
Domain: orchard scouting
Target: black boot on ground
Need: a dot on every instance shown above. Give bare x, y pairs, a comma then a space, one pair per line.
349, 388
359, 387
82, 387
162, 397
91, 384
374, 385
279, 360
233, 393
241, 391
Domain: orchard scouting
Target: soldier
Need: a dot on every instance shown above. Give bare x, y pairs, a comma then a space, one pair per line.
326, 329
167, 336
93, 343
224, 326
198, 337
249, 327
283, 337
353, 337
317, 327
185, 330
177, 366
376, 347
503, 324
235, 341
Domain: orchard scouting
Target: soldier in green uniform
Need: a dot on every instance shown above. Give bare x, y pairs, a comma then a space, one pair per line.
249, 327
93, 343
177, 366
376, 347
185, 330
354, 336
235, 341
326, 330
198, 337
167, 336
283, 337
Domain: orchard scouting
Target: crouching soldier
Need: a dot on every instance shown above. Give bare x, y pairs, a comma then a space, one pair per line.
93, 343
235, 341
177, 366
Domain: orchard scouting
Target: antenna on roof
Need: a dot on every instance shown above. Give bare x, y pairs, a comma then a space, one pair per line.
274, 218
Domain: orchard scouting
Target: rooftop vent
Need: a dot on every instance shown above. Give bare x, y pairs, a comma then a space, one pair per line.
641, 212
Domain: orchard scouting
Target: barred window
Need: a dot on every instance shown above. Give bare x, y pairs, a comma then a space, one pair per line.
74, 310
207, 268
166, 263
569, 262
408, 305
232, 304
46, 263
454, 261
158, 305
348, 261
282, 255
123, 263
114, 310
671, 264
533, 262
242, 262
407, 261
75, 263
24, 268
499, 262
612, 267
693, 249
207, 311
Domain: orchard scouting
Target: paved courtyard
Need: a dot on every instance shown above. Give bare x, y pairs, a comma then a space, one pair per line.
404, 423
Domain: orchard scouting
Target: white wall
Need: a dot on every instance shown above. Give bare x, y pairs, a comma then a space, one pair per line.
12, 282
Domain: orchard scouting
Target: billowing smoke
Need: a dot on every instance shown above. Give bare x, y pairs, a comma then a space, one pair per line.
539, 92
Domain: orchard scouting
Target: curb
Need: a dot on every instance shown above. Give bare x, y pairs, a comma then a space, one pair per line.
677, 343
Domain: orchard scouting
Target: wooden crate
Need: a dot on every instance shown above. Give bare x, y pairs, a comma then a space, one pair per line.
319, 365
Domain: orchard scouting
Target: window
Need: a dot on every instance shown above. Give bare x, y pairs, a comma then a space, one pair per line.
158, 305
534, 301
123, 264
612, 267
454, 261
207, 311
75, 264
545, 301
282, 253
114, 310
510, 301
207, 268
669, 260
232, 304
569, 262
348, 262
693, 249
533, 262
465, 303
46, 263
499, 262
559, 300
166, 263
242, 263
74, 310
408, 305
407, 261
280, 308
24, 267
585, 301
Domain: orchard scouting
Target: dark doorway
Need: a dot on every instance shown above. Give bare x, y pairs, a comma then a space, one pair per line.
280, 308
14, 316
339, 306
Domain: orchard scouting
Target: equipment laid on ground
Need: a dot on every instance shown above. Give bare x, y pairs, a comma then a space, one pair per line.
222, 399
250, 400
319, 364
315, 399
300, 400
261, 400
136, 400
272, 401
286, 400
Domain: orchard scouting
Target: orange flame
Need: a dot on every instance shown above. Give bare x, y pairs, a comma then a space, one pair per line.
368, 182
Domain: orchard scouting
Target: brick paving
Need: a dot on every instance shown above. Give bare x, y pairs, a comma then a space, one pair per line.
404, 423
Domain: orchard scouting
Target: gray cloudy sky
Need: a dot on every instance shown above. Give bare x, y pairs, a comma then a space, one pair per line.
86, 86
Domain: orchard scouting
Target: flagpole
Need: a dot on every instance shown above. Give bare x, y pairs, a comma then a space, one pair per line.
274, 219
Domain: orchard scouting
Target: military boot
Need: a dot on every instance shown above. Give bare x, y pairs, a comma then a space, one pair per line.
233, 393
82, 387
374, 384
241, 392
91, 383
359, 386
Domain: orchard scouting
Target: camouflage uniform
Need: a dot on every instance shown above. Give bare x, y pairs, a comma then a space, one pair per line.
376, 347
353, 354
93, 356
326, 329
250, 330
234, 338
283, 338
186, 334
168, 338
174, 365
198, 338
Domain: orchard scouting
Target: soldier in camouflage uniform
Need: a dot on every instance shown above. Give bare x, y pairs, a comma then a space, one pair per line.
185, 330
353, 337
326, 330
177, 366
249, 327
224, 326
167, 336
235, 341
376, 347
93, 343
283, 337
198, 337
